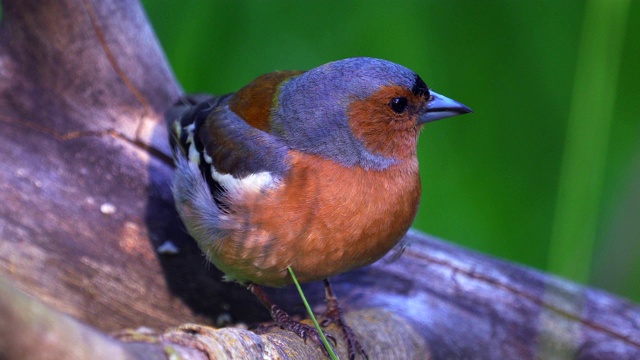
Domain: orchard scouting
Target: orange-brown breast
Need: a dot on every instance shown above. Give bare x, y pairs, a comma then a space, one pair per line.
326, 220
254, 102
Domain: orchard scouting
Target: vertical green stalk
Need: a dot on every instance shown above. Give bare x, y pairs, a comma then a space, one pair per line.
326, 344
574, 230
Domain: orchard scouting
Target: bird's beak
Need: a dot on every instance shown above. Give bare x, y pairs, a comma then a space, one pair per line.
441, 107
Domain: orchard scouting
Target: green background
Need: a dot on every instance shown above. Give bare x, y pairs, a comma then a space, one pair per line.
545, 173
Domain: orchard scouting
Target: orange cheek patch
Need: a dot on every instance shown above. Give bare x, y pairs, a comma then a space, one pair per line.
381, 130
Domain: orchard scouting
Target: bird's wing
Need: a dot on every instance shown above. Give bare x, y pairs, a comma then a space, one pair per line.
228, 151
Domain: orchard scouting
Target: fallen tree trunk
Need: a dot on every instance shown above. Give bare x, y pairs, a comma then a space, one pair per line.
84, 183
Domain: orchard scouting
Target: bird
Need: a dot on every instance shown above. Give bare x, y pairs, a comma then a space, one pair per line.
315, 170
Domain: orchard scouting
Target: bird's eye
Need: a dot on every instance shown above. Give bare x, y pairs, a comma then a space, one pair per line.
399, 104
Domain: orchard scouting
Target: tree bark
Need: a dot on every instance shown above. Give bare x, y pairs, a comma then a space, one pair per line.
84, 183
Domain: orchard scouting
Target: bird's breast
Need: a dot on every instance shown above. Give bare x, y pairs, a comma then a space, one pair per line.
323, 220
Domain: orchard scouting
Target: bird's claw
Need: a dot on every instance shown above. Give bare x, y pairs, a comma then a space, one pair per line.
304, 331
334, 316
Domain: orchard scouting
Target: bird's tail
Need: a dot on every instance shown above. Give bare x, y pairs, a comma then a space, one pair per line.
192, 194
183, 115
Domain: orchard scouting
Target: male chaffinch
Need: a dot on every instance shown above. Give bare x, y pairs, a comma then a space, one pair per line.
316, 170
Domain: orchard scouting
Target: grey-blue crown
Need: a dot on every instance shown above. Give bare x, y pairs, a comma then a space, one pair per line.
311, 114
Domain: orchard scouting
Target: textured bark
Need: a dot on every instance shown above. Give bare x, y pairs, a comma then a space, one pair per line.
84, 186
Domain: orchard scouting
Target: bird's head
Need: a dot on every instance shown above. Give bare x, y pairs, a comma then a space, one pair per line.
358, 112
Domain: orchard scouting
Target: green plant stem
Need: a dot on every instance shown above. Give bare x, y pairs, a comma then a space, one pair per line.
574, 232
326, 344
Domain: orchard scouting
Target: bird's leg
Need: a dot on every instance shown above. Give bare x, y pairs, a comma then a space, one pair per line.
284, 321
334, 315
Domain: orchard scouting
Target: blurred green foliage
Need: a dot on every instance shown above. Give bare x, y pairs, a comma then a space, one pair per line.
507, 179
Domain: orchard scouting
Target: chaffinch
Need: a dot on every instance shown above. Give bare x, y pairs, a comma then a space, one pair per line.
316, 170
